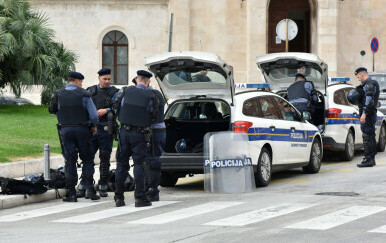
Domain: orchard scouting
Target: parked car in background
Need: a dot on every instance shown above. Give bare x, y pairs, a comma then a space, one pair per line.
8, 100
381, 78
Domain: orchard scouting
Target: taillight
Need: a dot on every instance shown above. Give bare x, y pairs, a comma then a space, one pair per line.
334, 112
242, 126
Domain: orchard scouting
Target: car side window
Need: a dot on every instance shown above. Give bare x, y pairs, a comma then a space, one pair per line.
287, 111
340, 98
346, 93
250, 107
268, 108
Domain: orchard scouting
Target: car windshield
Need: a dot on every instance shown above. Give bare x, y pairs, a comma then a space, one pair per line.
290, 72
196, 76
381, 80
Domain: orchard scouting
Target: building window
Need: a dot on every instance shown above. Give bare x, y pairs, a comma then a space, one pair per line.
115, 52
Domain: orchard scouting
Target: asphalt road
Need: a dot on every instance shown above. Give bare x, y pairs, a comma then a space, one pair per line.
351, 208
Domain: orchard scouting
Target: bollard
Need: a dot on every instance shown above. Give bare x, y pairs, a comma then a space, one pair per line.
47, 162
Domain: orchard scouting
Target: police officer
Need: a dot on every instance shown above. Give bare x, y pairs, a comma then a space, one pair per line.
368, 115
76, 113
158, 144
103, 96
301, 93
137, 108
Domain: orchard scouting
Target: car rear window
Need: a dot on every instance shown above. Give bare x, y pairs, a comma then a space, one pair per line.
199, 110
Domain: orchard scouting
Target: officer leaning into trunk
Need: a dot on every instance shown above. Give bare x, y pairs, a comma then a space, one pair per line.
366, 96
302, 93
137, 109
76, 115
103, 96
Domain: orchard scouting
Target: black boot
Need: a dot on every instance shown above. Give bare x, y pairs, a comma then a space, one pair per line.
142, 202
91, 194
70, 198
152, 195
81, 189
103, 190
119, 201
80, 193
367, 162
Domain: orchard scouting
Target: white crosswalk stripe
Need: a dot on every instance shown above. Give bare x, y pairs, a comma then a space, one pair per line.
112, 212
63, 207
379, 230
260, 214
185, 213
337, 218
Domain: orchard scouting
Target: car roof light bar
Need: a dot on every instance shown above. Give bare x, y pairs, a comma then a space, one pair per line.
252, 86
340, 79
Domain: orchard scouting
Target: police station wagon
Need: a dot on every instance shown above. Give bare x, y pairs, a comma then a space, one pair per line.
335, 117
200, 93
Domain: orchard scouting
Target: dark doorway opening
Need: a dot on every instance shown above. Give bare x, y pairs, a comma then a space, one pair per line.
300, 12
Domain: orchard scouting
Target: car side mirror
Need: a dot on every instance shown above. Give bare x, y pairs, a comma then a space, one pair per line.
383, 90
306, 115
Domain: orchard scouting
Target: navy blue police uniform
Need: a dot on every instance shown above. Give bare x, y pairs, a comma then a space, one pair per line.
158, 145
137, 109
368, 105
76, 113
301, 94
103, 98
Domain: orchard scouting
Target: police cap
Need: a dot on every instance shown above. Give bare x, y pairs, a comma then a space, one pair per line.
104, 71
134, 81
299, 75
144, 73
76, 75
361, 69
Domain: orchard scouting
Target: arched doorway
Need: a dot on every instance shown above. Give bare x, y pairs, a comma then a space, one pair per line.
300, 12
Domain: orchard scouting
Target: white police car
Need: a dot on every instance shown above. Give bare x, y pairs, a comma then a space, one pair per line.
336, 118
201, 98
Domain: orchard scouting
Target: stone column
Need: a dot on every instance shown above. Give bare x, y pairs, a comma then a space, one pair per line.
181, 26
256, 37
327, 34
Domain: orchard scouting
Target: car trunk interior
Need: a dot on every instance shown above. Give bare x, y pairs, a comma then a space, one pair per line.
318, 114
188, 121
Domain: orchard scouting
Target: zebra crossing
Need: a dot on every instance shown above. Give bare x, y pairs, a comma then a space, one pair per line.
173, 211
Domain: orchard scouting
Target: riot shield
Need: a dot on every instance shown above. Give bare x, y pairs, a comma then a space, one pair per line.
227, 163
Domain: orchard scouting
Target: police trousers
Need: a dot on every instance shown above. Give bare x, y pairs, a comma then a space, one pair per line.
104, 142
158, 145
131, 143
76, 140
368, 135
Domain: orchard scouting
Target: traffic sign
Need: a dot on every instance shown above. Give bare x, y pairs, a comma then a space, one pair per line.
374, 45
281, 29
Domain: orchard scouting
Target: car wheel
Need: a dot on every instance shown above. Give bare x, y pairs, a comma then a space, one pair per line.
168, 180
264, 169
315, 158
382, 139
349, 148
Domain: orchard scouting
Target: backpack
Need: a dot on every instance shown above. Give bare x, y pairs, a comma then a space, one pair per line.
58, 178
12, 186
129, 184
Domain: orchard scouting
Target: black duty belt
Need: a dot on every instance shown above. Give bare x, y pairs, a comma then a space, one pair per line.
158, 130
74, 125
303, 103
101, 127
135, 128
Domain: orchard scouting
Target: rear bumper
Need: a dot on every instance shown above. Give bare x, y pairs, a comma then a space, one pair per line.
330, 144
182, 163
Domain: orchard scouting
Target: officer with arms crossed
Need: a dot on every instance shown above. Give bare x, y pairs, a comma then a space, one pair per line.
103, 96
158, 144
76, 113
366, 97
301, 93
137, 109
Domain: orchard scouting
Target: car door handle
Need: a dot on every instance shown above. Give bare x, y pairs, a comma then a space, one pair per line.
355, 113
272, 127
292, 128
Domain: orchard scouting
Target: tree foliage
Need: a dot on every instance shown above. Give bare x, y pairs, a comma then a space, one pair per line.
28, 53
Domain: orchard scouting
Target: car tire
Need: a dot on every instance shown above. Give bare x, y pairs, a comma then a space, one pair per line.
382, 139
315, 158
264, 168
168, 180
349, 147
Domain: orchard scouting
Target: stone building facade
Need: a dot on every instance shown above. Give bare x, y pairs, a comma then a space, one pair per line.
237, 30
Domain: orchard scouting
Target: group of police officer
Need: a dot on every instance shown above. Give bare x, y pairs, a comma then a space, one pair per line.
302, 95
87, 123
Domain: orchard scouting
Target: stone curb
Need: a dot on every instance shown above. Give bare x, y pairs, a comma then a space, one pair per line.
10, 201
23, 168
